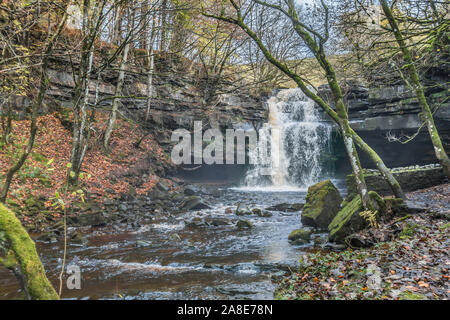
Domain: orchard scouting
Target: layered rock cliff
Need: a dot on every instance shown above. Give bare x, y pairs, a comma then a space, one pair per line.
384, 116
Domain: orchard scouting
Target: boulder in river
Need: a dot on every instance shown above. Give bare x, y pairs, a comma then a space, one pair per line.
322, 204
244, 224
286, 207
193, 203
300, 236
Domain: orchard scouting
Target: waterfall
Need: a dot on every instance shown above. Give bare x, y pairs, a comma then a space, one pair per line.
292, 145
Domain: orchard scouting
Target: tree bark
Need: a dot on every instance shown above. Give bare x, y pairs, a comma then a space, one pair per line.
427, 115
119, 86
23, 260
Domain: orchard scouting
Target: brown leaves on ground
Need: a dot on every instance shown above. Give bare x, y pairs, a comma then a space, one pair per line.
46, 168
414, 265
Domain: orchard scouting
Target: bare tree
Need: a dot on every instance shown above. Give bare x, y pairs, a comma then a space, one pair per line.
315, 40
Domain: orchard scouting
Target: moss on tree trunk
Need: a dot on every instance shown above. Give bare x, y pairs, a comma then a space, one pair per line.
22, 258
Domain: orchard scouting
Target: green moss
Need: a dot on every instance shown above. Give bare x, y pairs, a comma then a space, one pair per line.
409, 230
23, 253
303, 234
322, 204
408, 295
39, 157
343, 217
445, 226
378, 200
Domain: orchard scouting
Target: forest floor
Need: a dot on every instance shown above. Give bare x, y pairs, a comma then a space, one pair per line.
414, 264
105, 175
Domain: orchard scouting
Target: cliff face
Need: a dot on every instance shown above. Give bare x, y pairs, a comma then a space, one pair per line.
177, 98
378, 114
384, 115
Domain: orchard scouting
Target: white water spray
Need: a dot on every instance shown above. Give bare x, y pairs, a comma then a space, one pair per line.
298, 141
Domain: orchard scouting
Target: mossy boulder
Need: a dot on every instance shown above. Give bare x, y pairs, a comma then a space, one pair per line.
347, 221
322, 204
244, 224
300, 234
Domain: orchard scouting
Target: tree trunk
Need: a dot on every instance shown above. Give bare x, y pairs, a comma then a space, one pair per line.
427, 115
34, 110
23, 260
151, 33
119, 87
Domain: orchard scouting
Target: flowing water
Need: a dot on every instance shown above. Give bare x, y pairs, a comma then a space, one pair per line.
170, 259
292, 145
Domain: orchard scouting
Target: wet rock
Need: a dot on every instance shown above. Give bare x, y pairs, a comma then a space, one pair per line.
244, 224
88, 219
213, 266
174, 237
257, 211
286, 207
77, 238
243, 210
229, 210
143, 243
219, 222
163, 185
191, 190
277, 276
193, 203
195, 223
58, 226
321, 239
322, 204
47, 237
300, 236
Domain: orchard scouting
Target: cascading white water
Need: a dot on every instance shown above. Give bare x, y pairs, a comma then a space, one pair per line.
290, 145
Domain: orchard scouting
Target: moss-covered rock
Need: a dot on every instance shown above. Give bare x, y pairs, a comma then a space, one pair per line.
347, 221
300, 236
244, 224
322, 204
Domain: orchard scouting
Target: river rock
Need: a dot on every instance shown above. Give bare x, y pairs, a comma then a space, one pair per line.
219, 222
300, 236
174, 237
47, 237
88, 219
244, 224
77, 238
286, 207
322, 204
191, 190
143, 243
194, 223
229, 210
163, 185
193, 203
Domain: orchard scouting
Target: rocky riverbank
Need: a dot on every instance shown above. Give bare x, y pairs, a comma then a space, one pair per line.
406, 258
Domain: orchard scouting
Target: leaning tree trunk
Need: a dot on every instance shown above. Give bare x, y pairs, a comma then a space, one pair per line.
427, 115
22, 259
